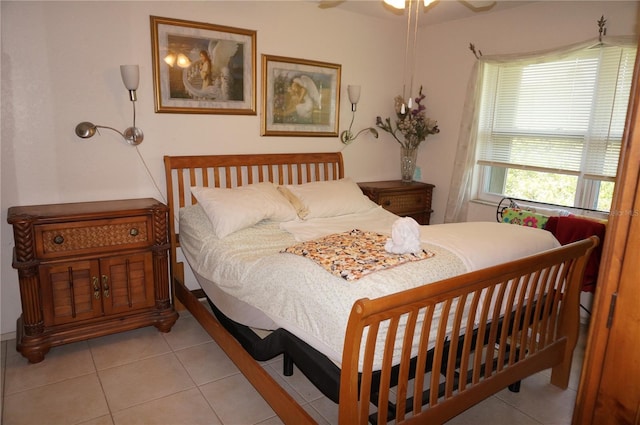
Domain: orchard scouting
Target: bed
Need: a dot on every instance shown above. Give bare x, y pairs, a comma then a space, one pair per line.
412, 351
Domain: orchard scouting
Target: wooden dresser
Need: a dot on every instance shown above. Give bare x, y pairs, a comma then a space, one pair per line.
90, 269
412, 199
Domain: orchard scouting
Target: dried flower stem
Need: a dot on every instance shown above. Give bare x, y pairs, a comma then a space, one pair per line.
413, 124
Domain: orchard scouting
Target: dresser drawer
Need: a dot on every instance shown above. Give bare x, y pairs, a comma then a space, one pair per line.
412, 199
401, 203
92, 236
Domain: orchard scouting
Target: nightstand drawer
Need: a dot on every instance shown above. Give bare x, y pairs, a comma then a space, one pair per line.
412, 199
402, 203
92, 235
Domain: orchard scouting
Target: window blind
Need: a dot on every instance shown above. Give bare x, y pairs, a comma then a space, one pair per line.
562, 115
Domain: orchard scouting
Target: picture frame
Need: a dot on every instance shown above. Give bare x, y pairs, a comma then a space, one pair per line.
201, 68
300, 97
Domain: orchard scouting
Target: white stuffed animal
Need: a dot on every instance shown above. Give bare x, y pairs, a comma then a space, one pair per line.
405, 237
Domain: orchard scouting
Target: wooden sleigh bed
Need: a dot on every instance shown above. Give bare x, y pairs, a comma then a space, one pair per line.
480, 347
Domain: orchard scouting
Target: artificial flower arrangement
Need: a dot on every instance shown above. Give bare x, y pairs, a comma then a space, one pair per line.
412, 123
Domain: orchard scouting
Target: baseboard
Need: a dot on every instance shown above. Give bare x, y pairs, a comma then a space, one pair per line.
7, 336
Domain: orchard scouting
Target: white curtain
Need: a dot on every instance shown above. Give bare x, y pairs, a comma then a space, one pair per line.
461, 187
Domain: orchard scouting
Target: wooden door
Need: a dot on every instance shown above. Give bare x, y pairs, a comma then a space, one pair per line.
609, 391
127, 282
70, 292
618, 399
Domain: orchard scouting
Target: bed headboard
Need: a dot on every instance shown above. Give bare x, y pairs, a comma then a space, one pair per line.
229, 171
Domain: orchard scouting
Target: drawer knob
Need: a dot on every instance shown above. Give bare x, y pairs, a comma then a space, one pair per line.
134, 232
387, 203
58, 240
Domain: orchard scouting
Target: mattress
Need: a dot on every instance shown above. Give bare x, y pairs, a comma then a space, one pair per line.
273, 290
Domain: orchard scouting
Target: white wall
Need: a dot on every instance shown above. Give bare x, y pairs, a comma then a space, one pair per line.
60, 66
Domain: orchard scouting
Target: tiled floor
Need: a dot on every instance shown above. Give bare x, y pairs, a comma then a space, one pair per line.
183, 377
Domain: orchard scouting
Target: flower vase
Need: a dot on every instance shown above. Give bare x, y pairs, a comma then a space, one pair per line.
408, 158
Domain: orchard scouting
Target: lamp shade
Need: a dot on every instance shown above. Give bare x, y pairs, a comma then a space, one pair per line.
170, 59
398, 4
183, 61
130, 76
354, 93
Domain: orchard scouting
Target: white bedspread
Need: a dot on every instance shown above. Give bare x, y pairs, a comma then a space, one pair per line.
477, 244
300, 296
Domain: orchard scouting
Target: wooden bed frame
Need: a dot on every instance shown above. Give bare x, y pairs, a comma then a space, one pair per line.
506, 345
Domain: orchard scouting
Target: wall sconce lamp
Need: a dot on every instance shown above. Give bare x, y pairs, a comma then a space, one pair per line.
133, 135
347, 136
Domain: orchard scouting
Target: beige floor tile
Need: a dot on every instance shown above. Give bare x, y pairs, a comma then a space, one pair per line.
236, 402
63, 362
305, 391
149, 377
541, 400
187, 332
102, 420
11, 348
126, 347
320, 420
327, 409
206, 362
184, 408
68, 402
142, 381
272, 421
286, 384
492, 411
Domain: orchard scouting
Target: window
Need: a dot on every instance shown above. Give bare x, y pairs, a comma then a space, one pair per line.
550, 130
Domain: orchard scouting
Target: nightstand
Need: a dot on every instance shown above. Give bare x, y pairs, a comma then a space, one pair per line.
412, 199
90, 269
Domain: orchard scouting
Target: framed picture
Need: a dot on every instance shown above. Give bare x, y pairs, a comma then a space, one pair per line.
201, 68
300, 97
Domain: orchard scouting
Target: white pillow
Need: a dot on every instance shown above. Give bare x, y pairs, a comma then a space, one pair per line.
230, 210
331, 198
280, 209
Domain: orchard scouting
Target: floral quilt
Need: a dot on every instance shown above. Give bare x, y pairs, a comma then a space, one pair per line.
353, 254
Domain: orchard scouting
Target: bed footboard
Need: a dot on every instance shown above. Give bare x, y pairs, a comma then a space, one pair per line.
477, 333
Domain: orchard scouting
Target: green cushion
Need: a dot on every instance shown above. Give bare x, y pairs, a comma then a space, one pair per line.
524, 218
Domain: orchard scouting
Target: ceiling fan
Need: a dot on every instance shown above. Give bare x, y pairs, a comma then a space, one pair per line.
413, 14
475, 5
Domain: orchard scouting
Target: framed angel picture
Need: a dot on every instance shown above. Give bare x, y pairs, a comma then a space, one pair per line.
300, 97
200, 68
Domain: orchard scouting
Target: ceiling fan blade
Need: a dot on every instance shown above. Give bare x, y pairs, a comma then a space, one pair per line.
478, 5
327, 4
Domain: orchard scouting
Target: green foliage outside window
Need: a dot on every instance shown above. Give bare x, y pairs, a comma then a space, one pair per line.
555, 189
